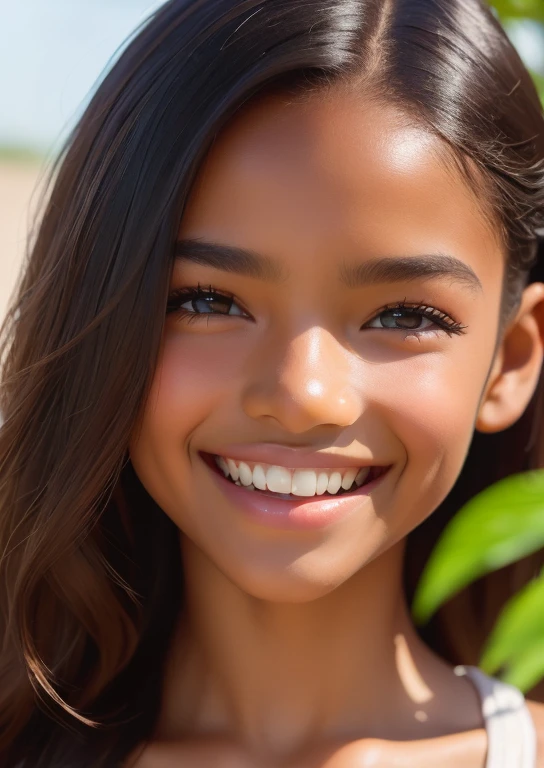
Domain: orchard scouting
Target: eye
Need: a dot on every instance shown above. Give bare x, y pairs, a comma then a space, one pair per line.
416, 318
193, 302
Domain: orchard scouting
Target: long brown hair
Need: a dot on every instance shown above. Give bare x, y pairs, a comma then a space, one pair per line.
90, 572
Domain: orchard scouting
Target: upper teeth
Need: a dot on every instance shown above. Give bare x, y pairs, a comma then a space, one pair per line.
299, 482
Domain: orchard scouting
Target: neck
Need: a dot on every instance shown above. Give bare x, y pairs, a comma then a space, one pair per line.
278, 677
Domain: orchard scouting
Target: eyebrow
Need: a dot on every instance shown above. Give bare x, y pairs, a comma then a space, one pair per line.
394, 269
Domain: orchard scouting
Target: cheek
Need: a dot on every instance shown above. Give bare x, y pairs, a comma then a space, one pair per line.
432, 406
435, 409
190, 387
192, 376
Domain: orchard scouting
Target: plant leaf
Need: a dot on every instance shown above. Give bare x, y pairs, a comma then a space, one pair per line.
527, 669
500, 525
518, 630
519, 9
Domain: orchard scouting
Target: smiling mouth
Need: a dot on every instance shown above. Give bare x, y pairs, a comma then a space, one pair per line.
355, 486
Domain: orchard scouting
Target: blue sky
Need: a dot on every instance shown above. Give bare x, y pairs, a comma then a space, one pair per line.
53, 51
51, 54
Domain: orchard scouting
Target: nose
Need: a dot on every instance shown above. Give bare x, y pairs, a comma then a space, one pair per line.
308, 382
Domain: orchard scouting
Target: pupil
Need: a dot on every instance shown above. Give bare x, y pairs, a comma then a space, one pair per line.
397, 319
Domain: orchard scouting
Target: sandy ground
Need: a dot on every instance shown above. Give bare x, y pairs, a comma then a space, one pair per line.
18, 196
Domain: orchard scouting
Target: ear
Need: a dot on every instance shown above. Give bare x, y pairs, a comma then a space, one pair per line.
516, 368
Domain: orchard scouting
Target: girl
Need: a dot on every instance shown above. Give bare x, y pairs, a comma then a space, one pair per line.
283, 307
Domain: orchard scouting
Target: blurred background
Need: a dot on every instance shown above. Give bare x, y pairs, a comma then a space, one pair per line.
53, 53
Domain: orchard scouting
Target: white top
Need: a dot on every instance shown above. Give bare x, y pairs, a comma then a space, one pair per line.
511, 735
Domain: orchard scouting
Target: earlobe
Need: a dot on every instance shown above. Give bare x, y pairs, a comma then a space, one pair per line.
517, 366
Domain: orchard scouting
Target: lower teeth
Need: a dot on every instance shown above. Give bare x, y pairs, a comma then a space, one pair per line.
251, 487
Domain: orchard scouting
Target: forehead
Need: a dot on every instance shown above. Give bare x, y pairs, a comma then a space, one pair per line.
336, 172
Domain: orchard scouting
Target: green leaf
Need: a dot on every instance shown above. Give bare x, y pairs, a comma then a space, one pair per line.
518, 630
519, 9
527, 669
500, 525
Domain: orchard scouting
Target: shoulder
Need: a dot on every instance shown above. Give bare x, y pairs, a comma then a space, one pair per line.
536, 710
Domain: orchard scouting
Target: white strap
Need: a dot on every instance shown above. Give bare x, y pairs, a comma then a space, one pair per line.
511, 735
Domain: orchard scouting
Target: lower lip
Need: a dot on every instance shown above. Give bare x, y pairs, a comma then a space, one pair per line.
292, 514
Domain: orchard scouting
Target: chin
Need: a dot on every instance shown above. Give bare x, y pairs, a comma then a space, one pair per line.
286, 588
279, 580
280, 568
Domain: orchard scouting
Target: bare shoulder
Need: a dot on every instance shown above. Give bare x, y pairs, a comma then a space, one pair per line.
536, 710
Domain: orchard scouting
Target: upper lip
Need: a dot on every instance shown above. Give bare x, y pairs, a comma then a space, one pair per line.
290, 457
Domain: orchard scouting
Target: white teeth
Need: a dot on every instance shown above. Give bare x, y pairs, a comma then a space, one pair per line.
322, 483
247, 487
233, 469
335, 482
349, 477
246, 475
278, 479
223, 465
299, 482
304, 482
259, 478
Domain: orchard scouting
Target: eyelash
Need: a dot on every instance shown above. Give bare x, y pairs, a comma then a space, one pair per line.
183, 295
442, 319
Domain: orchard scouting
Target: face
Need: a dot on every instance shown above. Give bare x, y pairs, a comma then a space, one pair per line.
347, 317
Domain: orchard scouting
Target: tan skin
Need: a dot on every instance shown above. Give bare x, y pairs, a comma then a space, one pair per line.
296, 648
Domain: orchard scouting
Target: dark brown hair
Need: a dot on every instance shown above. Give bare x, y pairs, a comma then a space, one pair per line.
90, 573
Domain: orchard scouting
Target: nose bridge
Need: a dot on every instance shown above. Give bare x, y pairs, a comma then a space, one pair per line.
305, 381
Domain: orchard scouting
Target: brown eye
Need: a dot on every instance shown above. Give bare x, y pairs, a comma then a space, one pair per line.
419, 318
199, 301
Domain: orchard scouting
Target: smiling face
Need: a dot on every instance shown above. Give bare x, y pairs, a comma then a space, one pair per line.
359, 292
